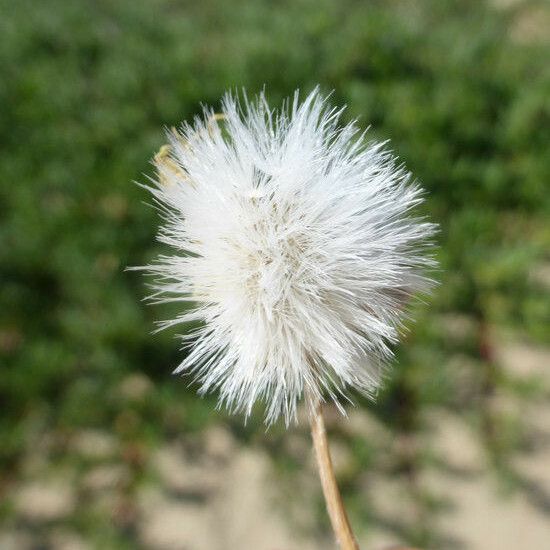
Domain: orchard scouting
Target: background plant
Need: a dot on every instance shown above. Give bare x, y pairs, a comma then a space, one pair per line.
461, 88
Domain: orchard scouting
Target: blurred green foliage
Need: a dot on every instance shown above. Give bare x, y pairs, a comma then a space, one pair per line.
86, 89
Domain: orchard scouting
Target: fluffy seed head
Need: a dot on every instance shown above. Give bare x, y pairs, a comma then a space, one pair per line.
294, 249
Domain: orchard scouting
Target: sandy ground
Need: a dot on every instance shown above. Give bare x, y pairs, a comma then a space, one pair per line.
229, 497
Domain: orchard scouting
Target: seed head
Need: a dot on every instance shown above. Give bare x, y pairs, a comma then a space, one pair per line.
294, 249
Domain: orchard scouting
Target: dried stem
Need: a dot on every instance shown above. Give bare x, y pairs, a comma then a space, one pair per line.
333, 499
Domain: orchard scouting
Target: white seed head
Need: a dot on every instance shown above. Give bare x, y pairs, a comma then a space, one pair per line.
295, 250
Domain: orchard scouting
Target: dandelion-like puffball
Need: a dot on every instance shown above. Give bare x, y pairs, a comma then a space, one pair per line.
295, 253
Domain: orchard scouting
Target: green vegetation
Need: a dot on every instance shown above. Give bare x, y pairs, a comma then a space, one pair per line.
86, 90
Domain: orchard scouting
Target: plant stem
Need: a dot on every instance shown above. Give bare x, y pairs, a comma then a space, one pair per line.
333, 499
